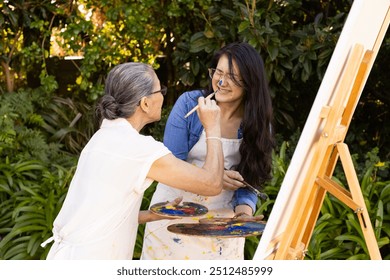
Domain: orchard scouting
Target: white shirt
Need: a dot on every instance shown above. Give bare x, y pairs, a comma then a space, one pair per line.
99, 217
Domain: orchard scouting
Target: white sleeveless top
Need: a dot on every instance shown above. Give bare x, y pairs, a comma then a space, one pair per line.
99, 217
159, 243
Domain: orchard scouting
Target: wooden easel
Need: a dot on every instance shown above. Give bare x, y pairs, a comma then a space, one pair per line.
329, 148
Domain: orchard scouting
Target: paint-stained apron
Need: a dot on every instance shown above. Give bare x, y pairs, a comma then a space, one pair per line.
159, 243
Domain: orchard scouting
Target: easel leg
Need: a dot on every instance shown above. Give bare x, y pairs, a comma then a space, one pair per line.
357, 196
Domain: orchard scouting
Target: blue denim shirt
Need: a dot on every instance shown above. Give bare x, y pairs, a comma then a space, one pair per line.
181, 134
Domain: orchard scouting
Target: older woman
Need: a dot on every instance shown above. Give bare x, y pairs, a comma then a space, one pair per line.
100, 215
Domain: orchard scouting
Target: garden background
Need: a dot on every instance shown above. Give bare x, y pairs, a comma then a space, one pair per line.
54, 57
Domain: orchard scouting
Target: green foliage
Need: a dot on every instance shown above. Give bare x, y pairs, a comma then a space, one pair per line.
20, 128
69, 122
34, 175
31, 196
109, 35
296, 39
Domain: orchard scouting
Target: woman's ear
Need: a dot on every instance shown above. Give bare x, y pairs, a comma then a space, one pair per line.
144, 104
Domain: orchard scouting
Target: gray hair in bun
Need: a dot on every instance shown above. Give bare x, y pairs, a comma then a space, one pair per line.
125, 85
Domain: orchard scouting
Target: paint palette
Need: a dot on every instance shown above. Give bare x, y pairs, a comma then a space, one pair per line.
221, 230
231, 220
184, 209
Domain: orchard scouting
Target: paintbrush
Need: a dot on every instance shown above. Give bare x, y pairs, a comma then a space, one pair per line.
252, 188
197, 106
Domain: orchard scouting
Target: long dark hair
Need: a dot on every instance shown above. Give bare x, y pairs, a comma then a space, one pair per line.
258, 137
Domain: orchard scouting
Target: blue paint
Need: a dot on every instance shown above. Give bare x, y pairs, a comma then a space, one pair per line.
187, 209
220, 83
170, 211
177, 240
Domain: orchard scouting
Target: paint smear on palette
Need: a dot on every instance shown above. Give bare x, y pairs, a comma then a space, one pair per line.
185, 209
227, 230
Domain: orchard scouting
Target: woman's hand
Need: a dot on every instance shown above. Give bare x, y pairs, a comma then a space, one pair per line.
146, 216
209, 115
232, 180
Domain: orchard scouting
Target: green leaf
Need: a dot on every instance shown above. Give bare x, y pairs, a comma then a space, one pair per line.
34, 243
273, 52
354, 238
198, 42
243, 26
228, 13
28, 165
279, 75
359, 257
383, 241
385, 194
379, 219
15, 250
18, 231
195, 67
330, 254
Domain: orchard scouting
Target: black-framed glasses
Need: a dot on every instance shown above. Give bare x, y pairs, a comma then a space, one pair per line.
163, 90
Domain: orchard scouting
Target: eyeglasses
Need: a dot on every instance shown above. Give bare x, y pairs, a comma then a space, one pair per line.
216, 73
163, 90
